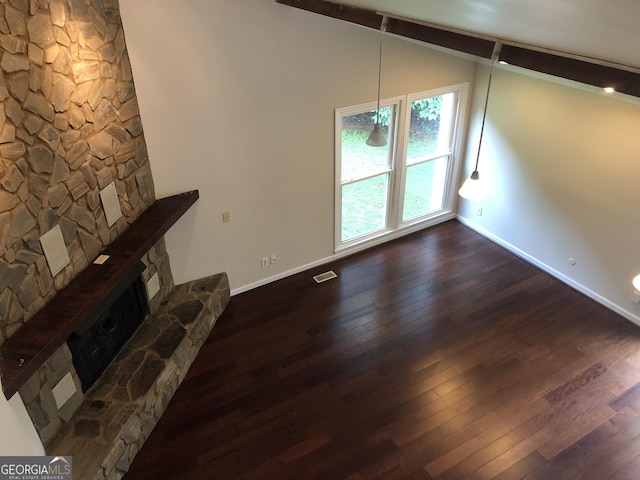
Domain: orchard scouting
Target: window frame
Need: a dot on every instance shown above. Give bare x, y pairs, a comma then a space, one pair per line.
393, 158
398, 149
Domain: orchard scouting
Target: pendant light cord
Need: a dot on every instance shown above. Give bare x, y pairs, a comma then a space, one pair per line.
383, 28
494, 57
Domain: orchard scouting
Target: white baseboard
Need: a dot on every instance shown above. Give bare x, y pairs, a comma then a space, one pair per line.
279, 276
551, 271
475, 227
348, 251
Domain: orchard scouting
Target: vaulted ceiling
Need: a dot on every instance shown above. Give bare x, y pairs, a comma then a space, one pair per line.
598, 30
585, 41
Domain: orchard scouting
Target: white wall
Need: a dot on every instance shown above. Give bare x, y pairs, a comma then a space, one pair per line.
564, 164
18, 436
237, 100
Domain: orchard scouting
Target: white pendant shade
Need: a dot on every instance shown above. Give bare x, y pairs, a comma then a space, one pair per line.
376, 138
473, 188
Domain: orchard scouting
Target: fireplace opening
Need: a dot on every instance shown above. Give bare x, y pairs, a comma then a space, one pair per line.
99, 339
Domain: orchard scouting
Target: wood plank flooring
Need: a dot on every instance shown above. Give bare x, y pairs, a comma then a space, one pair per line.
439, 355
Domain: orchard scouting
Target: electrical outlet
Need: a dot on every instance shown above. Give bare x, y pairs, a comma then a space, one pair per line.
274, 259
226, 217
479, 211
265, 262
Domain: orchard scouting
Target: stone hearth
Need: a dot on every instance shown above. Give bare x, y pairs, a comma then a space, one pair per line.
119, 412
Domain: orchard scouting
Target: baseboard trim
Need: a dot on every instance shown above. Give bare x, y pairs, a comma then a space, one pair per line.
445, 216
279, 276
551, 271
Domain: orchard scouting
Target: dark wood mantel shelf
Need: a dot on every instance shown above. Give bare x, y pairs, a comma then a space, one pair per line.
33, 343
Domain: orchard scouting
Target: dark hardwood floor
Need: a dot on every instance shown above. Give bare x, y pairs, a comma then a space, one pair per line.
439, 355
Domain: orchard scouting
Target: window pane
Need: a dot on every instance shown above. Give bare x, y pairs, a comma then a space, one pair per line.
359, 159
424, 188
385, 189
364, 206
430, 128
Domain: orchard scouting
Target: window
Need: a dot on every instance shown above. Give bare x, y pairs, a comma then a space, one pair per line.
407, 183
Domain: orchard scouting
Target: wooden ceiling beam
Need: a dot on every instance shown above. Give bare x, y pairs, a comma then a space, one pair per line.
368, 18
478, 47
594, 72
602, 76
359, 16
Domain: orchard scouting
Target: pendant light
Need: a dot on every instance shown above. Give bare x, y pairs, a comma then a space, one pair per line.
377, 138
473, 188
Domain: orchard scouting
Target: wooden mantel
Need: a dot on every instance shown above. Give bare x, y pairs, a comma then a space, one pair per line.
32, 344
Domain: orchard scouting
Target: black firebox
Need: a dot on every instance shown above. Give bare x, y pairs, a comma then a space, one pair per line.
98, 340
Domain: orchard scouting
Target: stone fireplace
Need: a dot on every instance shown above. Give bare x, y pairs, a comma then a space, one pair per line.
104, 427
69, 128
100, 337
117, 415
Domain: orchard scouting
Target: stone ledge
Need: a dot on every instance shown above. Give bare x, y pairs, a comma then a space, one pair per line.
34, 342
120, 410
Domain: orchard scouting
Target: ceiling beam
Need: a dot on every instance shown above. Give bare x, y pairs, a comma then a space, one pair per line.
595, 72
368, 18
478, 47
622, 81
359, 16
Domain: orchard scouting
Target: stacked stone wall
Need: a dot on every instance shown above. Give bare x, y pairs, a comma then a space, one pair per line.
69, 126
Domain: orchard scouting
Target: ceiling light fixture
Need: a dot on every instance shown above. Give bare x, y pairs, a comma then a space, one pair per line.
473, 188
376, 137
636, 283
609, 89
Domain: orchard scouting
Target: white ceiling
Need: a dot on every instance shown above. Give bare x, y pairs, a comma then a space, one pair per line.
598, 29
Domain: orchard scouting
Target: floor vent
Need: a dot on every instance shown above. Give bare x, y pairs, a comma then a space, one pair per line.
323, 277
